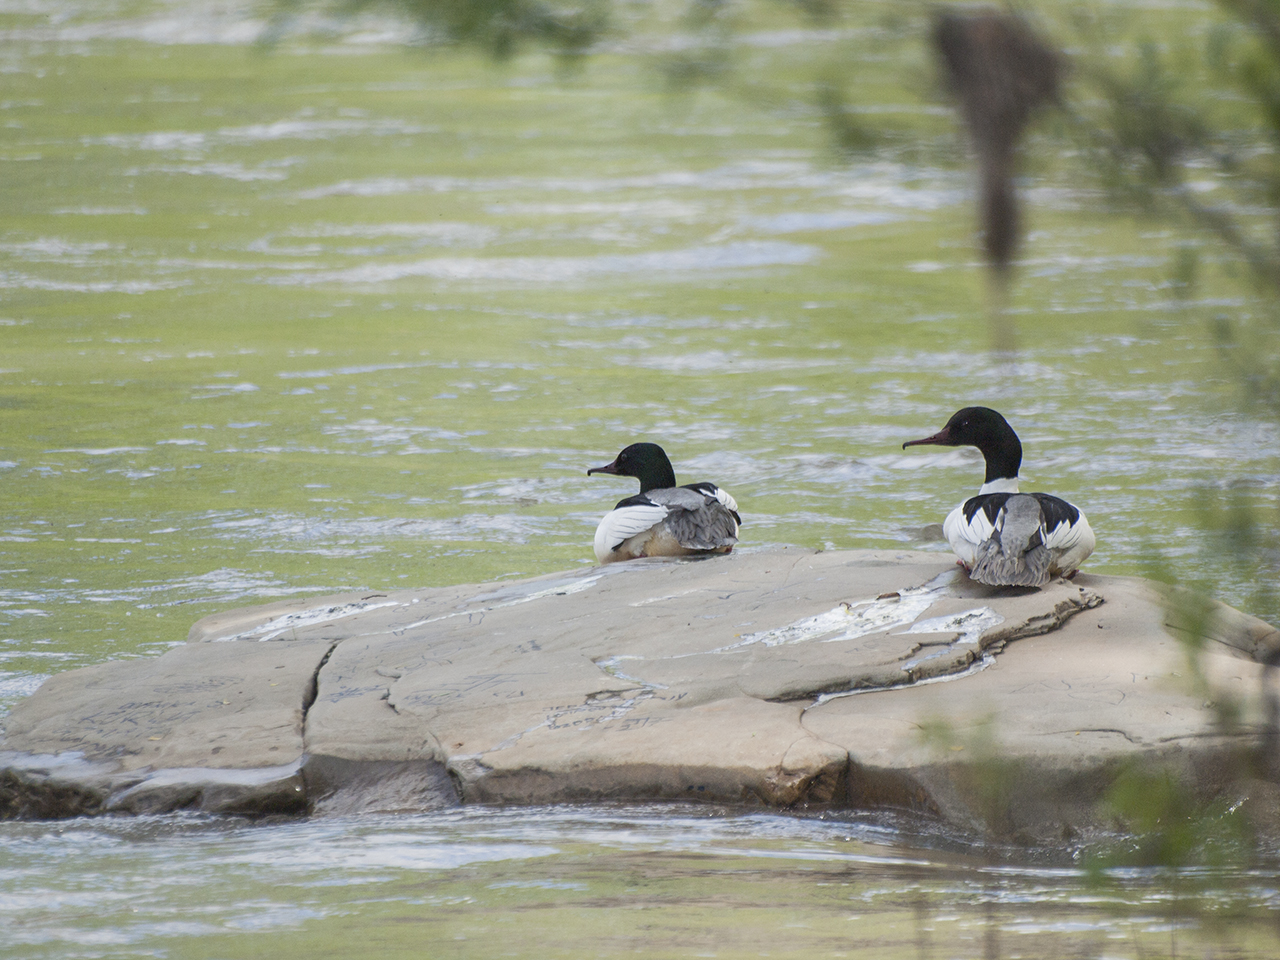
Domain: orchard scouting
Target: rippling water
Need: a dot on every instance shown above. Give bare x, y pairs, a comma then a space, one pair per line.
665, 881
352, 314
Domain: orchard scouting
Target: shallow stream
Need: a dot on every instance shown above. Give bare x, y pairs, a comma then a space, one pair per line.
350, 313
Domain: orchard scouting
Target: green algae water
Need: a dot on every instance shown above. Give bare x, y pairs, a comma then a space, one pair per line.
350, 313
572, 882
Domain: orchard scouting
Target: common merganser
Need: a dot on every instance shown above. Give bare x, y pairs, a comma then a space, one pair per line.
663, 520
1003, 537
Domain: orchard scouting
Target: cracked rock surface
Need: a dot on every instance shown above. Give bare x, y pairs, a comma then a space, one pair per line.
781, 677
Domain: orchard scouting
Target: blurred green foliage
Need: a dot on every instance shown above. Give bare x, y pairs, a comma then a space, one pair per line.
1166, 825
1185, 130
500, 27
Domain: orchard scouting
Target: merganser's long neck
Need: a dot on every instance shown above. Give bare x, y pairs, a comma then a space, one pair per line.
1002, 450
656, 476
1003, 485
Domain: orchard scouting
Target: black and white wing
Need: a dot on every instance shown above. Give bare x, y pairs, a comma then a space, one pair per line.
1015, 555
977, 529
630, 518
721, 495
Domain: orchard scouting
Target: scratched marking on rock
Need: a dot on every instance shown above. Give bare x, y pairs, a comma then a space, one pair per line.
470, 686
197, 685
560, 590
304, 618
592, 714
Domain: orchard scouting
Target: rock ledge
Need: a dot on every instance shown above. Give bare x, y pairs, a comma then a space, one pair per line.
784, 677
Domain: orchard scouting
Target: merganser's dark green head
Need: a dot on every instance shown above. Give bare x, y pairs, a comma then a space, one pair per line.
647, 462
985, 429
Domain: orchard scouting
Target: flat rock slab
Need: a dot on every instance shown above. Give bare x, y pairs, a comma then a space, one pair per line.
779, 677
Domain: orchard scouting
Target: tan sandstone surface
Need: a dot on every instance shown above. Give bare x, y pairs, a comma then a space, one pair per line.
783, 677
